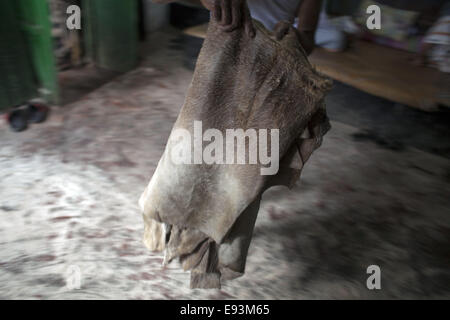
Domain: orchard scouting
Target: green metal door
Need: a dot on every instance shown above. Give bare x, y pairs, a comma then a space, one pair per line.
35, 22
27, 64
16, 79
111, 33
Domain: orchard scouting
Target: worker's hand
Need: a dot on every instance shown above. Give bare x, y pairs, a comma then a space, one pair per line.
306, 39
232, 14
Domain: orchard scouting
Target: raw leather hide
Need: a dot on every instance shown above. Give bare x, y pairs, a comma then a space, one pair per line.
204, 214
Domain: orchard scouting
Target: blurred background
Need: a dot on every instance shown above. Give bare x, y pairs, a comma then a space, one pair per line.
87, 112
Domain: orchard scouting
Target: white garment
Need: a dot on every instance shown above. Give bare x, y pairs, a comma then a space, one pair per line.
270, 12
439, 35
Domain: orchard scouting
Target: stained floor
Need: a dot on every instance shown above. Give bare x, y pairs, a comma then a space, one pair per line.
374, 194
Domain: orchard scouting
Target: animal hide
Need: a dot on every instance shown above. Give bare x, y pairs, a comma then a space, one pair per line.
204, 214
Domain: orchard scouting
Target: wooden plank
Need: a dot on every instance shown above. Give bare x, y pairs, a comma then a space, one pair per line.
383, 72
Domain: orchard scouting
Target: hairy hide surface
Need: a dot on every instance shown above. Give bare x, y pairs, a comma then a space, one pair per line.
204, 214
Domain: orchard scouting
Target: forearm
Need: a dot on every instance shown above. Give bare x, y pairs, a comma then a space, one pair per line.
308, 18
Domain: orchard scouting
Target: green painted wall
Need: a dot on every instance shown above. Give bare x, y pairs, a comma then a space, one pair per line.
35, 22
17, 82
111, 33
27, 62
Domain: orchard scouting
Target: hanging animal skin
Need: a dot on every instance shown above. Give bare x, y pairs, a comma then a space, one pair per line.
249, 93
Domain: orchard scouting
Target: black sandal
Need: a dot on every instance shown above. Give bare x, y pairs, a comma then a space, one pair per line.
18, 120
37, 113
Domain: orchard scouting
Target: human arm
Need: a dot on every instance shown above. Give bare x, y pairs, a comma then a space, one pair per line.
308, 18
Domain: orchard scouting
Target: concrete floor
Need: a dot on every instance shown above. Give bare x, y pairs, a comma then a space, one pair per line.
376, 193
